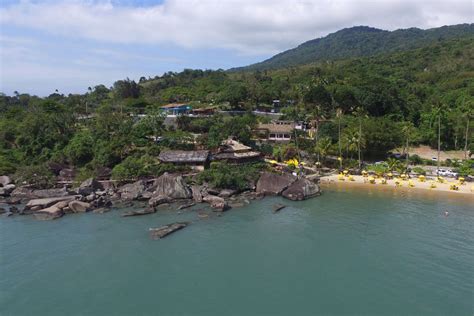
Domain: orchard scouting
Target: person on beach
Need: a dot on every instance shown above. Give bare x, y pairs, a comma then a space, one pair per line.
446, 213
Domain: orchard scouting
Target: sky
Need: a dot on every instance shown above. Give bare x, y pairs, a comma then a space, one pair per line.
70, 45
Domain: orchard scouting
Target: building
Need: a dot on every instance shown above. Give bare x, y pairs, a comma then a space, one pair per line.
279, 131
195, 159
234, 152
176, 108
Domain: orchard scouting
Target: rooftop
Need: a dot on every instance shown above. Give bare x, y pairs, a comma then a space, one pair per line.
234, 146
174, 105
184, 156
276, 128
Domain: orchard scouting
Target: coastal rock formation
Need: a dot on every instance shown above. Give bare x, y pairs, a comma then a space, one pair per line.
197, 193
216, 202
301, 190
156, 200
172, 186
163, 231
148, 210
52, 212
79, 207
132, 191
40, 204
5, 180
89, 186
227, 193
273, 184
7, 189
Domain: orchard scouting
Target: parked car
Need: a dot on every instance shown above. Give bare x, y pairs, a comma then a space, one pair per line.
447, 173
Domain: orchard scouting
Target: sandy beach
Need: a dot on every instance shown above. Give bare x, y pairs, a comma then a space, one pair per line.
360, 181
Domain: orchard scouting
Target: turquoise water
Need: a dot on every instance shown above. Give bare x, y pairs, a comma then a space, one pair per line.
343, 253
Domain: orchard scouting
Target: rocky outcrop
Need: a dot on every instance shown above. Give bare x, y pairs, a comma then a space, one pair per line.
89, 186
5, 180
197, 193
79, 207
172, 186
163, 231
132, 191
40, 204
52, 212
7, 189
216, 202
158, 199
226, 193
273, 184
301, 189
148, 210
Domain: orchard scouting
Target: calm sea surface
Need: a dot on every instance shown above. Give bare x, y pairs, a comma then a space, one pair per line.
344, 253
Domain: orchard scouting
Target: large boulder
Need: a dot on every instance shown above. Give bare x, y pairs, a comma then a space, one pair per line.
156, 200
23, 193
51, 212
197, 193
39, 204
7, 189
273, 183
79, 207
89, 186
132, 191
301, 189
172, 186
216, 202
51, 192
4, 180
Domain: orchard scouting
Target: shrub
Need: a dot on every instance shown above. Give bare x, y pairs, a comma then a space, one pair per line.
415, 159
225, 176
38, 176
79, 151
419, 170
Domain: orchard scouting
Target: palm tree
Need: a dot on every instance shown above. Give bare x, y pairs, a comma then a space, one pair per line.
408, 130
360, 113
339, 116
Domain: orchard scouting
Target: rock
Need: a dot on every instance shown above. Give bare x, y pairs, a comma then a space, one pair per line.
163, 231
91, 197
216, 202
172, 186
227, 193
187, 205
51, 192
53, 212
7, 189
213, 191
101, 210
89, 186
47, 202
79, 207
13, 201
197, 193
14, 209
157, 200
66, 174
236, 204
2, 210
301, 189
274, 184
5, 180
278, 207
103, 173
23, 193
148, 210
132, 191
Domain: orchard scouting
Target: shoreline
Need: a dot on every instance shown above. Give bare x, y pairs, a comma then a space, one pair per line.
420, 188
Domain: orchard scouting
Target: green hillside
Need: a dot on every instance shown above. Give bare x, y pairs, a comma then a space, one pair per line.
360, 41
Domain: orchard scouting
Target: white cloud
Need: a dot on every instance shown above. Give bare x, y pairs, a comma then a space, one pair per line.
246, 26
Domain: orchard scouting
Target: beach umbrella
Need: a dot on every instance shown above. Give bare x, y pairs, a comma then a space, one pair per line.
432, 185
461, 180
372, 180
351, 178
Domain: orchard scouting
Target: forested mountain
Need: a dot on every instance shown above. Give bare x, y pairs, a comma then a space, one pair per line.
360, 41
394, 97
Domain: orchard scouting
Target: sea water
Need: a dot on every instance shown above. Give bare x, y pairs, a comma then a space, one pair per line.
344, 253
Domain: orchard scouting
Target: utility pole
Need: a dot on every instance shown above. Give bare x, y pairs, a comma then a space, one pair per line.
466, 138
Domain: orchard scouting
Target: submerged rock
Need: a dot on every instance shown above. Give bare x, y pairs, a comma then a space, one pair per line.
216, 202
148, 210
301, 189
278, 207
163, 231
273, 183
